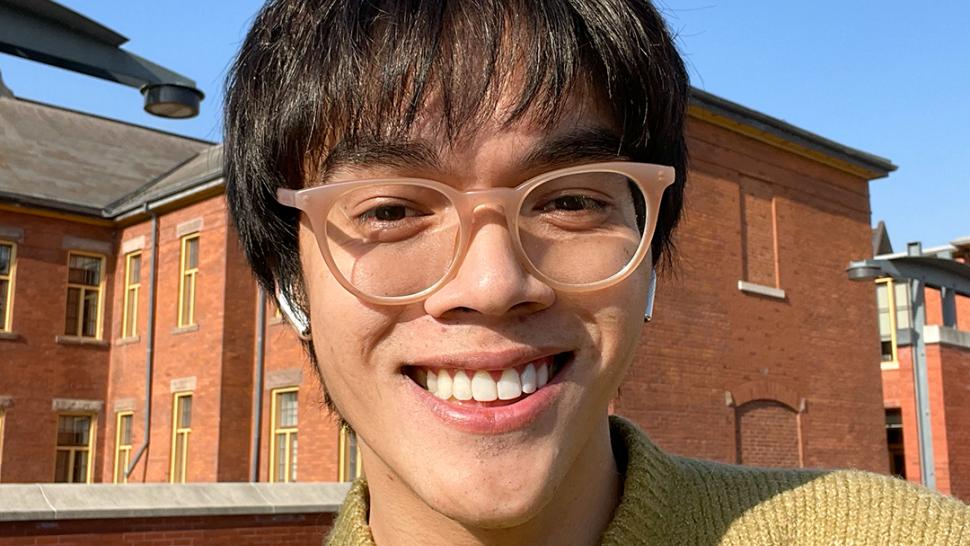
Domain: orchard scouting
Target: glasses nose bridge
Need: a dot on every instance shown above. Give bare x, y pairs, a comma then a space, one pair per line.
498, 199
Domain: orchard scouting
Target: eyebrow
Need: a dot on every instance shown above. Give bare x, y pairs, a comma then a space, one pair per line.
572, 147
576, 146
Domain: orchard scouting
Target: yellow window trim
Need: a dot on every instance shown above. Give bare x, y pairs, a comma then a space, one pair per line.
891, 304
92, 430
176, 432
7, 325
122, 451
277, 433
343, 457
85, 288
131, 295
186, 317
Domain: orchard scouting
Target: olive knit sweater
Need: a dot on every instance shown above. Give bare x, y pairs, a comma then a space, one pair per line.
675, 500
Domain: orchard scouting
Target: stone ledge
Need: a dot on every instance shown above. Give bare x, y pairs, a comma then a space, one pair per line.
761, 290
130, 340
946, 336
185, 329
10, 336
76, 340
61, 501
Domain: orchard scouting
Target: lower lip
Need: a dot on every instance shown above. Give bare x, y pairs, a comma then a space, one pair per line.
476, 419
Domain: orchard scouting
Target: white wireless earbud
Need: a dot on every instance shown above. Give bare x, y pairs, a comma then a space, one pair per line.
651, 295
297, 318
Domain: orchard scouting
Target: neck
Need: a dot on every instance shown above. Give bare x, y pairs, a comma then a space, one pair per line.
578, 513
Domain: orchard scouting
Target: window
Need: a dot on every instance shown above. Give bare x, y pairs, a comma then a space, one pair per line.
181, 427
283, 442
129, 320
2, 416
348, 456
892, 301
8, 259
75, 438
122, 445
189, 271
894, 440
85, 281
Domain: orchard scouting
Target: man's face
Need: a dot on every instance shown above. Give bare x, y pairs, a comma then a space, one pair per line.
491, 464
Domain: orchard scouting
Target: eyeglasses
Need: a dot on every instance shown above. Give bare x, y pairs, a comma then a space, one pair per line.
395, 241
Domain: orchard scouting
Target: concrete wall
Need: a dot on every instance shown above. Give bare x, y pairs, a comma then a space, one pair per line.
210, 514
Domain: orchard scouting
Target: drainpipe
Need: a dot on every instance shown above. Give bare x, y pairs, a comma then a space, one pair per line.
149, 345
258, 383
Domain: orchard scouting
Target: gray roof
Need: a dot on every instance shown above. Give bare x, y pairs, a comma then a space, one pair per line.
71, 160
203, 167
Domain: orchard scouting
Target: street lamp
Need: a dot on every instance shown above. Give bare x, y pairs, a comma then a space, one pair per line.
918, 272
47, 32
172, 101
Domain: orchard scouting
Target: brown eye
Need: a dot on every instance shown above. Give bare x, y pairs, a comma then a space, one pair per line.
572, 203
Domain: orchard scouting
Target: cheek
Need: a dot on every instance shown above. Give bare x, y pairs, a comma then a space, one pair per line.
346, 331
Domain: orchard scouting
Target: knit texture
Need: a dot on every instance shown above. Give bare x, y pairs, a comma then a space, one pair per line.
675, 500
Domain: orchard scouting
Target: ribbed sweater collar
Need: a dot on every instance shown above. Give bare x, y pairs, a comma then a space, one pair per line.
645, 514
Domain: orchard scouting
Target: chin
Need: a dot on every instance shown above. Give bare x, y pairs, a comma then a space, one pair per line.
499, 485
496, 505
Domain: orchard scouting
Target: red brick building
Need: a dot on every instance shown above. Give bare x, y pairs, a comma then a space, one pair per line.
946, 335
127, 301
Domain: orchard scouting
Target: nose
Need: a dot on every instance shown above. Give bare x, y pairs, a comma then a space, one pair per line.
491, 280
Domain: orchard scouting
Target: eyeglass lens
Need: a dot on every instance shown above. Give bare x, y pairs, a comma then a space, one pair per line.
398, 239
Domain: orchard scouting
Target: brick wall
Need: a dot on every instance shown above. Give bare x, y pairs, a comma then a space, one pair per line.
709, 338
767, 435
37, 365
948, 371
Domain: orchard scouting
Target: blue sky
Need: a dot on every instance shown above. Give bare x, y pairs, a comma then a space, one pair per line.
884, 77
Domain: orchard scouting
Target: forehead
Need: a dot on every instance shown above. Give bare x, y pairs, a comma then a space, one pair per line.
584, 131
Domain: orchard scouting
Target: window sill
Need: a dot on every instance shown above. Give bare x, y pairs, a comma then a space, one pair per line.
9, 336
761, 290
76, 340
889, 365
127, 340
184, 329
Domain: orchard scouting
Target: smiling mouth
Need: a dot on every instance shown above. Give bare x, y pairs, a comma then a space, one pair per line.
489, 387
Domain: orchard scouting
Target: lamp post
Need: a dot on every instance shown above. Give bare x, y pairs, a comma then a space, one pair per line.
918, 272
47, 32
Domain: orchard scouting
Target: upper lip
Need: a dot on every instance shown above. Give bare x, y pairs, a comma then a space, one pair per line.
509, 357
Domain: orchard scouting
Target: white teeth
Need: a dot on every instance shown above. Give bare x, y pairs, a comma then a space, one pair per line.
529, 379
443, 390
461, 386
509, 387
542, 376
483, 387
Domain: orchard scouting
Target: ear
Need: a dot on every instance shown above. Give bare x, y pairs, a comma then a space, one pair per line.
297, 318
651, 295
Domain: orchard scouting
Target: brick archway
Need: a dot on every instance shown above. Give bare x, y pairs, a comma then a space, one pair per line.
767, 418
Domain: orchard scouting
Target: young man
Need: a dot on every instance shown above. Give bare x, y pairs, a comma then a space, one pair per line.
460, 206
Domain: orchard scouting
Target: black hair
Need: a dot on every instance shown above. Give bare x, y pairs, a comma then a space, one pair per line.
315, 74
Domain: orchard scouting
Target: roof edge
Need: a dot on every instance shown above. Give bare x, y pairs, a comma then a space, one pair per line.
847, 158
115, 120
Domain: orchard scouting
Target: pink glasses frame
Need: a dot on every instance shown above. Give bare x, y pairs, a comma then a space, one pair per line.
317, 201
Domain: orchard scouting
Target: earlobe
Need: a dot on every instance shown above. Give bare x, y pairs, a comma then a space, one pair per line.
651, 294
296, 317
